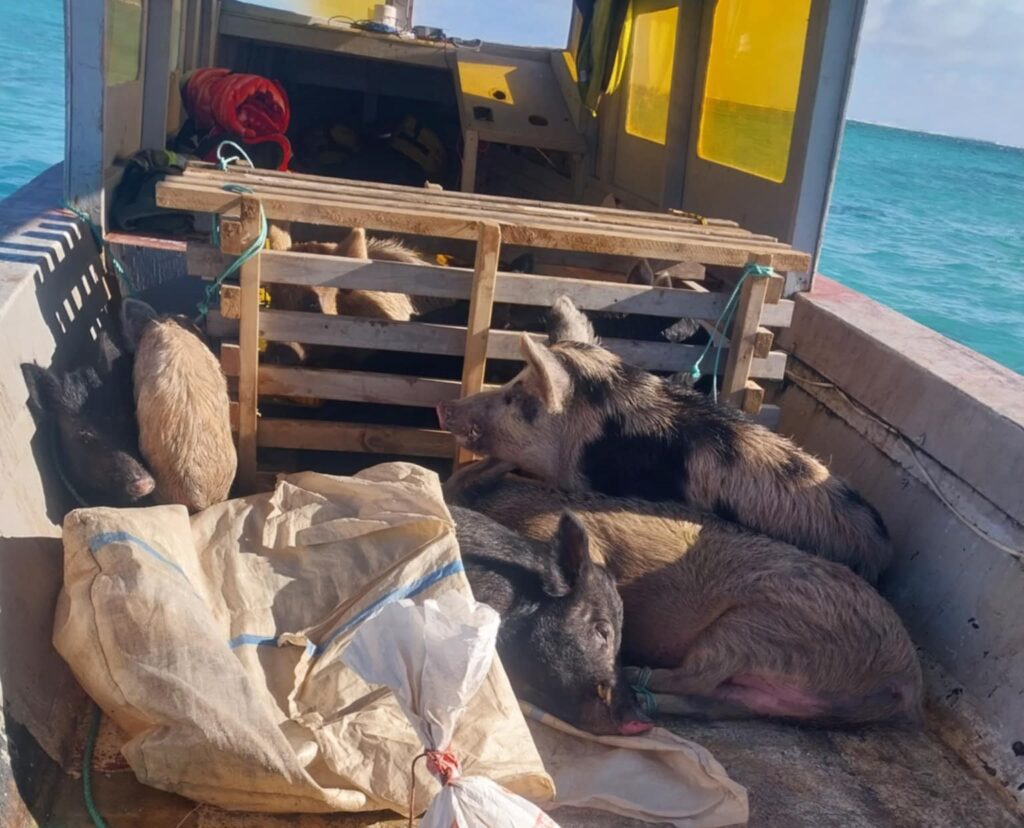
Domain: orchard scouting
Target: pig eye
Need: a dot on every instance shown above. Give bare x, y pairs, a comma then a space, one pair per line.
604, 631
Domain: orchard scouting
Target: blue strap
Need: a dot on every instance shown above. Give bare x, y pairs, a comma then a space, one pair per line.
642, 690
722, 324
101, 243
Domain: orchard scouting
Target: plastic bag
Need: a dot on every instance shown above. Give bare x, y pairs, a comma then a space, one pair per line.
434, 657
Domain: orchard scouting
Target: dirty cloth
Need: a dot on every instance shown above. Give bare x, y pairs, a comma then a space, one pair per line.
214, 643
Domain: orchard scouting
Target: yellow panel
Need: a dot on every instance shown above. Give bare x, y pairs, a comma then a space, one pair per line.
123, 41
486, 80
354, 9
750, 95
570, 63
650, 72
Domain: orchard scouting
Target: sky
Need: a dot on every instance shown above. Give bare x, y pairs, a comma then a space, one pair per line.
950, 66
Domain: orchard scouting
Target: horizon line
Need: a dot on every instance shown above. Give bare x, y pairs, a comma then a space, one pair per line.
936, 134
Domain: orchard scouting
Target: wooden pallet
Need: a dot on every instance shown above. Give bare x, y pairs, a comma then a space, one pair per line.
490, 221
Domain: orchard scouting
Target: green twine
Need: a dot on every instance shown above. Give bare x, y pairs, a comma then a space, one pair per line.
261, 239
101, 243
722, 324
90, 749
641, 689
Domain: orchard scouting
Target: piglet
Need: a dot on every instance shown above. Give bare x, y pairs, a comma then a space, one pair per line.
90, 415
561, 620
181, 402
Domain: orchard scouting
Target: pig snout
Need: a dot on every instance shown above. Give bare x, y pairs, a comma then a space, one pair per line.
635, 727
141, 486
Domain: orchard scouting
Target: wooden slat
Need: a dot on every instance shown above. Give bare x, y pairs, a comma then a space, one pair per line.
742, 339
397, 191
470, 153
763, 340
248, 337
753, 397
478, 325
444, 340
551, 217
455, 283
179, 194
349, 386
448, 200
314, 435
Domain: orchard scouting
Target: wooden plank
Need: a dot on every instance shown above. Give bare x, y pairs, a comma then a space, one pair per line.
769, 416
741, 340
398, 192
314, 435
420, 337
763, 340
752, 398
248, 337
456, 283
470, 154
443, 201
478, 326
175, 193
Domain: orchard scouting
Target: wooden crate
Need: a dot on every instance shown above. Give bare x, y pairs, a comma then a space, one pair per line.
490, 221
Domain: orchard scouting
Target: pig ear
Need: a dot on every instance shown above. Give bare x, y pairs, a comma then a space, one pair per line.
44, 389
109, 353
135, 316
354, 247
566, 323
552, 380
573, 548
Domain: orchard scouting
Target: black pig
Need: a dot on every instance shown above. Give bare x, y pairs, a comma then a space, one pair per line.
92, 418
561, 620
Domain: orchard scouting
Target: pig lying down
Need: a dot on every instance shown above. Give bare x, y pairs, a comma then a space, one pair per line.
561, 620
92, 416
732, 623
581, 419
181, 401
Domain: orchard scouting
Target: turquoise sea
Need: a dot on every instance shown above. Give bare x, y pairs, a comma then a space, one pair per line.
929, 225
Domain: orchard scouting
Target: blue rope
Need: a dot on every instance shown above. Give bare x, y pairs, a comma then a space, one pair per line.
101, 243
90, 749
722, 324
261, 239
642, 691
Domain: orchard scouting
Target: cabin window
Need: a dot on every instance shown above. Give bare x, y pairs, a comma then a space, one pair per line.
652, 55
753, 77
123, 41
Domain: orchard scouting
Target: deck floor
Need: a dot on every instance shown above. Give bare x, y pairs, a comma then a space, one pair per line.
797, 778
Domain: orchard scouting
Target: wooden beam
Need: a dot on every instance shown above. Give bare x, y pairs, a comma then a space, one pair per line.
481, 307
248, 334
470, 152
753, 397
178, 193
742, 339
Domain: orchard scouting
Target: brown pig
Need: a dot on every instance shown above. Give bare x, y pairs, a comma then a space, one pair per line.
581, 419
181, 402
731, 623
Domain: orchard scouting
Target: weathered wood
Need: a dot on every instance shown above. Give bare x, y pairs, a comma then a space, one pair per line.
418, 199
248, 337
456, 283
478, 326
444, 340
742, 339
395, 191
753, 397
763, 340
179, 193
313, 435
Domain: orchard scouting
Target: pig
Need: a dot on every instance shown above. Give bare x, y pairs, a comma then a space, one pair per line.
580, 418
561, 620
731, 623
92, 425
181, 402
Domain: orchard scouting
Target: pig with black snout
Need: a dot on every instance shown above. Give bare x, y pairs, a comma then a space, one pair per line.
91, 418
561, 621
580, 418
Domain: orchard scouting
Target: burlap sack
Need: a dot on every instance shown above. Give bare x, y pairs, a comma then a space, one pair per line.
214, 643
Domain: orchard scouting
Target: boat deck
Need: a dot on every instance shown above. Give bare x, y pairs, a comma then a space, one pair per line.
881, 777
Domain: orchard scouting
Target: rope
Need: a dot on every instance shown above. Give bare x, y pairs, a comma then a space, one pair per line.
101, 243
203, 306
642, 690
442, 764
90, 749
913, 450
722, 324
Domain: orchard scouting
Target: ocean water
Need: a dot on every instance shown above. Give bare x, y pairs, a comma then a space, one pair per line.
929, 225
